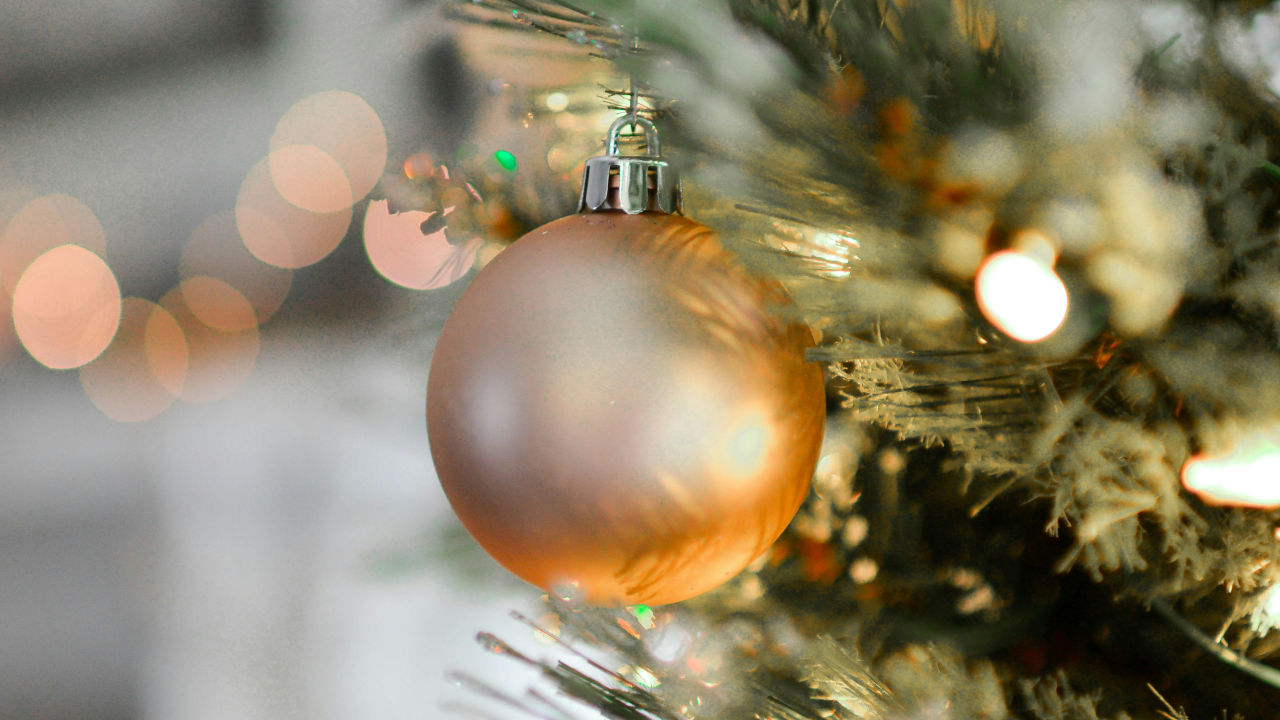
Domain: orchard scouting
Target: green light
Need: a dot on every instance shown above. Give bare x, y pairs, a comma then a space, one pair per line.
644, 614
506, 160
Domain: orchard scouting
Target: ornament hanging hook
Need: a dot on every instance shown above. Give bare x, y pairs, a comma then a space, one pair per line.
650, 134
632, 118
631, 183
633, 109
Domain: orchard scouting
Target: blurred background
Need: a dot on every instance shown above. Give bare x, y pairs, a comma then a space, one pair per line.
216, 494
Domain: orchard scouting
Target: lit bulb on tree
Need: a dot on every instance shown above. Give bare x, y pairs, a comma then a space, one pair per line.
613, 405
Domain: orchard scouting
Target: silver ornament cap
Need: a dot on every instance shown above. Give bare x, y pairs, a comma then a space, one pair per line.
630, 183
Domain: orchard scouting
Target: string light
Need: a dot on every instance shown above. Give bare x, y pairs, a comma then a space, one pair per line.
1248, 475
1021, 295
66, 307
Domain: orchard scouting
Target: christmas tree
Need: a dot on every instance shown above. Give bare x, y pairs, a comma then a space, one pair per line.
1037, 245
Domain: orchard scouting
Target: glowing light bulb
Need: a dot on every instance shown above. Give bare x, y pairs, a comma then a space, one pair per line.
1248, 475
1021, 295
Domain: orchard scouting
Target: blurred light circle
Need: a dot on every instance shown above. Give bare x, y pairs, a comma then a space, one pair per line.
215, 249
12, 199
278, 232
66, 307
7, 338
1247, 475
220, 360
342, 126
419, 166
402, 254
310, 178
144, 368
1021, 295
557, 101
217, 304
42, 224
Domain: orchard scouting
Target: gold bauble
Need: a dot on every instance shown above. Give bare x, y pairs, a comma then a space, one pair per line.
615, 407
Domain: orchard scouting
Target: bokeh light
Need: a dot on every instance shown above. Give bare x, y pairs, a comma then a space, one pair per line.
42, 224
506, 160
66, 307
214, 249
310, 178
419, 166
1248, 475
145, 367
278, 232
222, 336
12, 199
328, 151
1266, 616
557, 101
402, 254
218, 305
1021, 295
7, 338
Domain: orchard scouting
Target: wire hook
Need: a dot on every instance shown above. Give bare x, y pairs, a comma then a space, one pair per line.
633, 110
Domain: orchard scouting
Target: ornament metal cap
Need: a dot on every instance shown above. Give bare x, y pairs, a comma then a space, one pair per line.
630, 183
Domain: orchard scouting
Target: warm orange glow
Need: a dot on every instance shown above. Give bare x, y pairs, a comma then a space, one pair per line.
220, 360
310, 178
12, 199
66, 307
278, 232
335, 127
1036, 245
215, 249
1021, 295
218, 305
419, 166
42, 224
1247, 476
7, 339
402, 254
145, 367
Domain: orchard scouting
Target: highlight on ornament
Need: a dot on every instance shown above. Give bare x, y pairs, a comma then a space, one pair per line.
1248, 475
613, 405
1021, 295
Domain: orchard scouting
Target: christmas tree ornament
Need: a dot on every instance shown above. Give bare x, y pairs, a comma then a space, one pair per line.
614, 405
